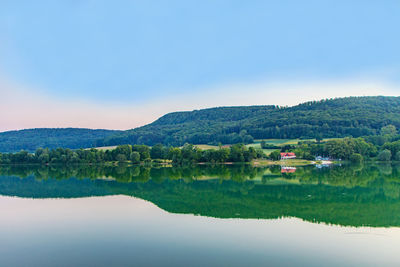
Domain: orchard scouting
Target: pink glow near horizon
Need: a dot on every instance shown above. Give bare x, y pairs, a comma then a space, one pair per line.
22, 108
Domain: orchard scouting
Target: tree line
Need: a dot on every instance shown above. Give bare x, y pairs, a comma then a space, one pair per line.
134, 154
384, 147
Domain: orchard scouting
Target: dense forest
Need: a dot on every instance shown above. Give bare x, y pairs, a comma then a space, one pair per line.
384, 147
31, 139
341, 117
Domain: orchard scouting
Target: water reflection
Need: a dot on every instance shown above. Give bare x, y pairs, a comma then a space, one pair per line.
353, 195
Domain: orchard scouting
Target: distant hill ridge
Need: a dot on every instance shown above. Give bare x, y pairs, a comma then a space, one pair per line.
339, 117
31, 139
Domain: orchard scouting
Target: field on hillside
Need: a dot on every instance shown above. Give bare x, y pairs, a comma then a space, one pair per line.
206, 147
281, 142
275, 142
105, 147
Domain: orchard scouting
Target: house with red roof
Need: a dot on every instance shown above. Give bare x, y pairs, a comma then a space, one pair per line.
288, 155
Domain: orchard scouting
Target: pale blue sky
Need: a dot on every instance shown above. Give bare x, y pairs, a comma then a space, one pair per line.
133, 52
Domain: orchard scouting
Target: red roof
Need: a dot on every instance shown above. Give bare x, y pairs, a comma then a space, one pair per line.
288, 170
288, 154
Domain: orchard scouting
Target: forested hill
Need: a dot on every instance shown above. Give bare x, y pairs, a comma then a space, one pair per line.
351, 116
32, 139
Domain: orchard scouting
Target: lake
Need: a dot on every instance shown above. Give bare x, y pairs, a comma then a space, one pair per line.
219, 215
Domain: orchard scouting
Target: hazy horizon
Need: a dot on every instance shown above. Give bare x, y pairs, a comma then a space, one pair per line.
188, 110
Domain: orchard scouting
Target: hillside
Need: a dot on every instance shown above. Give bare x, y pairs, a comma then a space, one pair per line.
352, 116
32, 139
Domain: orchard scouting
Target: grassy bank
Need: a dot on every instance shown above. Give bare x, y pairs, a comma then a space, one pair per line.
289, 162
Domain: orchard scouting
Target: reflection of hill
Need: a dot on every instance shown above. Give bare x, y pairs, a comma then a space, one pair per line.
68, 188
321, 203
363, 196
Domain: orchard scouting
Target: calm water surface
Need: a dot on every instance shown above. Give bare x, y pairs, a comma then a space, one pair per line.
200, 216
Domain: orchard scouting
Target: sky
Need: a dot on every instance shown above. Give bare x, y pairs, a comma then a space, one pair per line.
122, 64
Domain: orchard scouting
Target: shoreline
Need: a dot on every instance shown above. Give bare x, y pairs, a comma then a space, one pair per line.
290, 162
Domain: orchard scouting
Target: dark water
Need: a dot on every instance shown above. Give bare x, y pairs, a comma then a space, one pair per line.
200, 216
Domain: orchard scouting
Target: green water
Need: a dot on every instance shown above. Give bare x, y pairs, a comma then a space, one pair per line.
199, 215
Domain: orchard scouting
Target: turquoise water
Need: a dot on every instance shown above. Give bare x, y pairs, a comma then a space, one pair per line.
200, 216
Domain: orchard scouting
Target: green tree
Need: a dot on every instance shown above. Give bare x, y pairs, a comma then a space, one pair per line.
143, 150
236, 153
275, 155
135, 157
385, 155
120, 157
397, 156
249, 154
389, 130
157, 152
175, 154
318, 137
189, 153
125, 150
394, 147
263, 144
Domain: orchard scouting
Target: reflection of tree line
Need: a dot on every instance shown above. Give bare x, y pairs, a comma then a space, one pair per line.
347, 176
126, 173
321, 203
368, 195
374, 202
